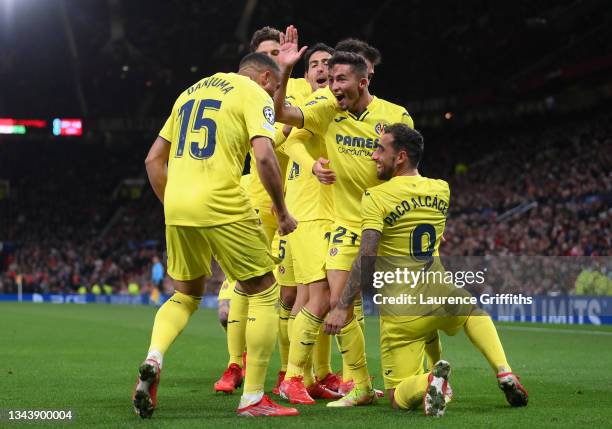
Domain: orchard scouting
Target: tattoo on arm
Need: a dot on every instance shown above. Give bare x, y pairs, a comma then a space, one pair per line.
368, 249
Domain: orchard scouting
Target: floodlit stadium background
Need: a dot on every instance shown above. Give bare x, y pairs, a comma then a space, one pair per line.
513, 100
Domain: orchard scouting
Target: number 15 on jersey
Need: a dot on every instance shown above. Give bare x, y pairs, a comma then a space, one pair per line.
206, 148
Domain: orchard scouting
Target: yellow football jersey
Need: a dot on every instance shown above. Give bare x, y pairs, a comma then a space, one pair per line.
297, 91
307, 198
410, 212
350, 141
210, 129
257, 193
245, 181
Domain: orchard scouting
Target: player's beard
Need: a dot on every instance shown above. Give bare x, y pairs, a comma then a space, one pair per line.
385, 172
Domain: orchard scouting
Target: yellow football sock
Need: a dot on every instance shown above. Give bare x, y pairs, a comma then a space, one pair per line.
433, 350
261, 333
283, 335
358, 311
409, 393
171, 319
482, 333
352, 347
236, 326
346, 371
321, 355
309, 375
290, 323
304, 335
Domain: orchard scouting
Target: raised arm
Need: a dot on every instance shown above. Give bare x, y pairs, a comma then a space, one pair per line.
271, 178
288, 56
336, 319
157, 166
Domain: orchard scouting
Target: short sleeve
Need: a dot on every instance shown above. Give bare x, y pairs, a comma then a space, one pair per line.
372, 216
279, 136
407, 119
448, 194
167, 130
258, 112
318, 110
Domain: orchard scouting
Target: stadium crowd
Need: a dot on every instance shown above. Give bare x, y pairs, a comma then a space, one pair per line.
563, 178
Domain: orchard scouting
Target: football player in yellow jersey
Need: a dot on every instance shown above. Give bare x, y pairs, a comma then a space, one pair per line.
310, 202
227, 288
194, 167
372, 56
351, 121
342, 384
405, 216
266, 41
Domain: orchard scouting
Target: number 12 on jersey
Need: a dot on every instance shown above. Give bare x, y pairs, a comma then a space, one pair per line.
200, 121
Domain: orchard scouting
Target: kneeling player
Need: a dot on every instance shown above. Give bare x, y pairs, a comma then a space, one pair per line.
416, 234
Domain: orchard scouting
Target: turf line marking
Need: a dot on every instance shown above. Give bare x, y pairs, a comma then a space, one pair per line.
560, 331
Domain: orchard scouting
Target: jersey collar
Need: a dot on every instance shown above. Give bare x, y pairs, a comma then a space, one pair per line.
408, 178
366, 112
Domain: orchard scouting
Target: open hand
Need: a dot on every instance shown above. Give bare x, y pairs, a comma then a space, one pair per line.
289, 54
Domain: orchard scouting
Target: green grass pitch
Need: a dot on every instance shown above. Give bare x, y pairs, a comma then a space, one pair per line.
85, 358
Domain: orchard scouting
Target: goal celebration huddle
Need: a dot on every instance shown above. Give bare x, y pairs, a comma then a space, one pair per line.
329, 163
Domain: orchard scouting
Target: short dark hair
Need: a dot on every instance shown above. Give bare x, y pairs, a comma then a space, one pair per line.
263, 34
356, 62
318, 47
258, 60
362, 48
405, 138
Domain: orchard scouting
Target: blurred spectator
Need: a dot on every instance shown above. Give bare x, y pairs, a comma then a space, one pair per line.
157, 272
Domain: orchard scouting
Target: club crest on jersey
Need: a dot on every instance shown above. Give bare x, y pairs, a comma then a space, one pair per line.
268, 113
281, 269
333, 251
379, 128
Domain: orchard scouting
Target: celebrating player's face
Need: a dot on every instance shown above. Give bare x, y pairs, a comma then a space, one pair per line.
385, 157
317, 72
270, 48
346, 85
